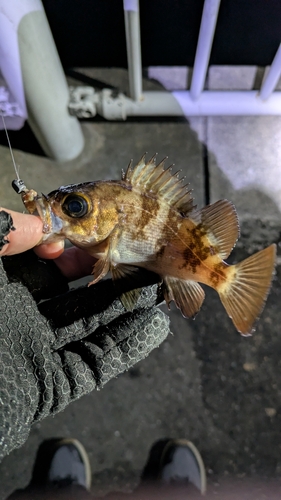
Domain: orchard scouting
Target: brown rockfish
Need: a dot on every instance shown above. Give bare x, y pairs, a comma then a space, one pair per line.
148, 220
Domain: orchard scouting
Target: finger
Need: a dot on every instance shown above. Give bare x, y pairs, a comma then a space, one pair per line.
27, 233
50, 251
75, 263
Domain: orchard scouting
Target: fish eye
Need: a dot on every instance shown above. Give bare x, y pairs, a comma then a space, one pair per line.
75, 206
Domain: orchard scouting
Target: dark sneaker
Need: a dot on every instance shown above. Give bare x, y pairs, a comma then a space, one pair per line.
174, 462
181, 463
62, 462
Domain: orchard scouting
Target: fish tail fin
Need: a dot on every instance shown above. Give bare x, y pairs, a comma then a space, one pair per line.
245, 292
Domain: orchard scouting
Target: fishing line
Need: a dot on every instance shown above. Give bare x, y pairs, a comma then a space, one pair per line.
10, 147
17, 184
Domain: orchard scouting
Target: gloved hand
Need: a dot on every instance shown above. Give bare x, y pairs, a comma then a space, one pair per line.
55, 350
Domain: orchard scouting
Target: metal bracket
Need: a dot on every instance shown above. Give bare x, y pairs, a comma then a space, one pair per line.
86, 102
83, 101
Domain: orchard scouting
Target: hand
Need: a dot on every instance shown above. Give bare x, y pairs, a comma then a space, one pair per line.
54, 351
73, 263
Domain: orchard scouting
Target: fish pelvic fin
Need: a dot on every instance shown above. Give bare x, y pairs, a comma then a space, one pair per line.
100, 270
220, 221
153, 179
245, 291
188, 295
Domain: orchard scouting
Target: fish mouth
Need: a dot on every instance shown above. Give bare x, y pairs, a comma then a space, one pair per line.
52, 223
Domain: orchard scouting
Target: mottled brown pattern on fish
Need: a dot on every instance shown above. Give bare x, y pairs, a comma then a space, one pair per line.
191, 260
197, 248
147, 213
218, 274
161, 249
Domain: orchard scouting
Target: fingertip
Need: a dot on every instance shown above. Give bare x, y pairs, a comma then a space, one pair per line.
26, 233
50, 251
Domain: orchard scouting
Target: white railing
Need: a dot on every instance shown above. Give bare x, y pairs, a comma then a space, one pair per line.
196, 101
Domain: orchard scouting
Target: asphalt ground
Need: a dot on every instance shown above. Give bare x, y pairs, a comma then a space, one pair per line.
205, 382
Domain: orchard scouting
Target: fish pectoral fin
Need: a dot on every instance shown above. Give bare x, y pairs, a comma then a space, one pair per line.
188, 295
220, 219
129, 281
245, 291
125, 271
130, 274
129, 299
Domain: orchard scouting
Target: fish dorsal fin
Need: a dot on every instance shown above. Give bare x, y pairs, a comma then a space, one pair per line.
155, 180
221, 223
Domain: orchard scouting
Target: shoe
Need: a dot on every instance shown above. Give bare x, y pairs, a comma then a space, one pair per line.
174, 462
60, 463
181, 463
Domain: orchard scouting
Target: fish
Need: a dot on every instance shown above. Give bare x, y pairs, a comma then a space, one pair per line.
148, 220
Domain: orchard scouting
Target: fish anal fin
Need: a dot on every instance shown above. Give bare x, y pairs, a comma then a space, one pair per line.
244, 293
188, 295
156, 181
221, 223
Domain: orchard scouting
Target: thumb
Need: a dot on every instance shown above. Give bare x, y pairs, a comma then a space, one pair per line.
21, 232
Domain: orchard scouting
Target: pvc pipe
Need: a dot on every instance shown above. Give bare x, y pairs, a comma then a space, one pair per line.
232, 103
204, 46
131, 5
132, 27
11, 13
180, 103
272, 76
46, 89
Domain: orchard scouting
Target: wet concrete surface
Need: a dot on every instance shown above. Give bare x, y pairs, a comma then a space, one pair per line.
205, 382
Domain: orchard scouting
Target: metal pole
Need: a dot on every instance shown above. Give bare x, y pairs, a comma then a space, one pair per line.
272, 76
204, 46
132, 26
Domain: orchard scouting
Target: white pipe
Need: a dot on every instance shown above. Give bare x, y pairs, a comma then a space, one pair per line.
272, 76
232, 103
11, 13
132, 26
46, 89
180, 103
204, 46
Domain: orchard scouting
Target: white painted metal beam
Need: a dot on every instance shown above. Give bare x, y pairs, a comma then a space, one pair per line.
272, 76
204, 46
180, 103
132, 26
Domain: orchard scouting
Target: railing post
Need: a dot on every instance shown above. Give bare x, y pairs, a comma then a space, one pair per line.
132, 26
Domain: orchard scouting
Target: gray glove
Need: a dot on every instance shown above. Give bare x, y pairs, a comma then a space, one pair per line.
54, 351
